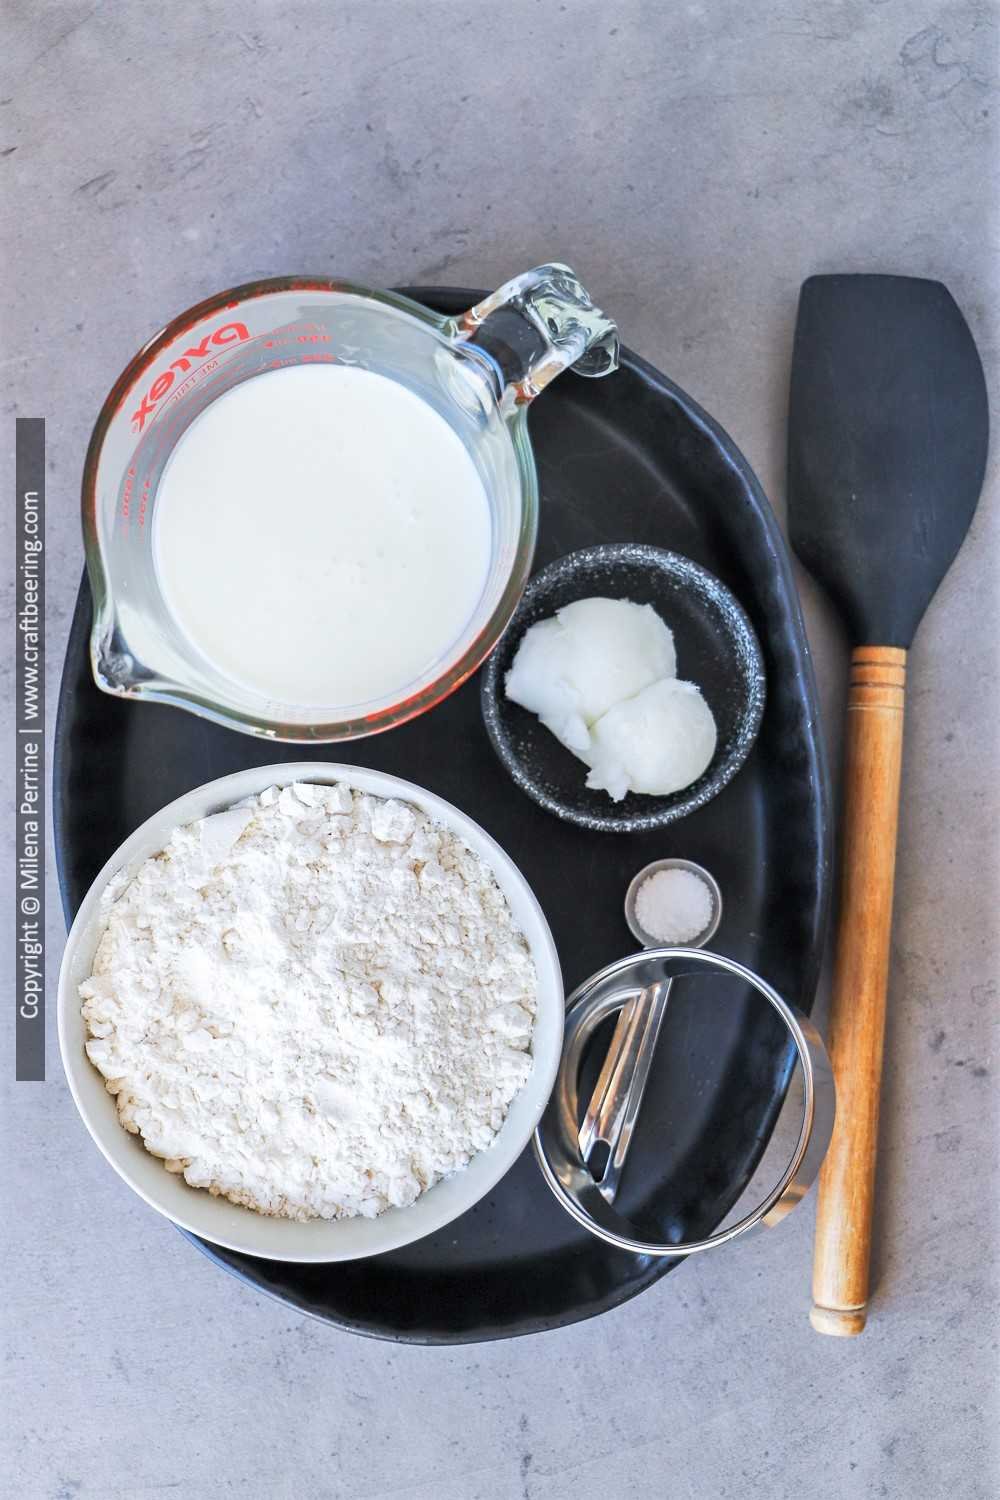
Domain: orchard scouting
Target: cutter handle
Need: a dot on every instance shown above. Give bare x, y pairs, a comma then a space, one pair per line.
873, 761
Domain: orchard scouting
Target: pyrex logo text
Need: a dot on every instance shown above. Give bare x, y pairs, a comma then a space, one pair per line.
229, 333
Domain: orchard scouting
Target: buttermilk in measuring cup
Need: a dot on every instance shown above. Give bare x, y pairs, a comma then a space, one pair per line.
322, 535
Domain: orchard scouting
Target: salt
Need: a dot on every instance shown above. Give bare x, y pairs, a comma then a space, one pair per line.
673, 906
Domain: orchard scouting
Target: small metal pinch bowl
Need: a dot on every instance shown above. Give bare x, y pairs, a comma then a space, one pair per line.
648, 940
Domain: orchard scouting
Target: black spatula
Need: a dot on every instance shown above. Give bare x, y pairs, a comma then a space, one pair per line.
888, 432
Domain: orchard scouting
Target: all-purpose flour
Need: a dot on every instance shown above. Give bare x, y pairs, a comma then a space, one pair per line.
316, 1004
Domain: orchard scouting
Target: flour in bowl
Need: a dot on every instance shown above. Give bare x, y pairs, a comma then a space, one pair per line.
316, 1004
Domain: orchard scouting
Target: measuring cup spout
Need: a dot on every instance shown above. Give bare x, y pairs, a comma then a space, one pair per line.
534, 327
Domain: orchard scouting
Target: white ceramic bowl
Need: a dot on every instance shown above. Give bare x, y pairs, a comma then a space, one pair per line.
241, 1229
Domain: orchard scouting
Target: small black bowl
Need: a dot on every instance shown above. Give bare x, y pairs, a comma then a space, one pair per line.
716, 648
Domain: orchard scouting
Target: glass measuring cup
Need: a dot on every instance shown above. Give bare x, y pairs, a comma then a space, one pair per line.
480, 371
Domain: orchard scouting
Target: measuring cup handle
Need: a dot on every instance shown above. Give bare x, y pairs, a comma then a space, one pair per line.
534, 327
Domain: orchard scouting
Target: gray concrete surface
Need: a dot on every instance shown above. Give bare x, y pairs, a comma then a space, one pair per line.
694, 162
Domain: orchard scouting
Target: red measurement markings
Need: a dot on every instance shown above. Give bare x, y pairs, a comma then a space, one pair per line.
228, 333
290, 361
127, 488
170, 411
276, 342
144, 499
195, 378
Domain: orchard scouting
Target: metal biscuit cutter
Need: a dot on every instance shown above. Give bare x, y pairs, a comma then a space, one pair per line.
639, 987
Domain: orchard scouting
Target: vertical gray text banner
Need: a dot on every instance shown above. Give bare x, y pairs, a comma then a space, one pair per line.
29, 764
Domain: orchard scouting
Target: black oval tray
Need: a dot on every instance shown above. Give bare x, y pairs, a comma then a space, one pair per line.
629, 458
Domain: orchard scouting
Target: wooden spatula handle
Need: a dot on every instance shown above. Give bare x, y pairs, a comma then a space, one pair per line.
873, 758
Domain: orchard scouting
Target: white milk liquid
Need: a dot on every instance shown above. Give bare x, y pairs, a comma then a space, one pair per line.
321, 535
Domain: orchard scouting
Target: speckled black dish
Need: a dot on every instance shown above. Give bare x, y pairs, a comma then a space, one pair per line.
716, 648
